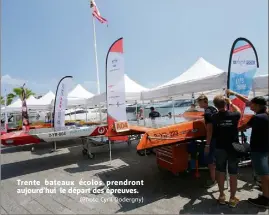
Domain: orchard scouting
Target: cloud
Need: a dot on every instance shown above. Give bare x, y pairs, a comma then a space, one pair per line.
8, 80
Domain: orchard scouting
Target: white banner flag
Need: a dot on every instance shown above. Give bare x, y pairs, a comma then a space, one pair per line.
60, 103
116, 107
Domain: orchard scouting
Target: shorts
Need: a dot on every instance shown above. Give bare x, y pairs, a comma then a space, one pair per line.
260, 162
222, 158
210, 157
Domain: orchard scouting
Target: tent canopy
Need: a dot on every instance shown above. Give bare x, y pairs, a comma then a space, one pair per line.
200, 70
260, 82
132, 92
260, 86
200, 77
78, 96
47, 98
79, 92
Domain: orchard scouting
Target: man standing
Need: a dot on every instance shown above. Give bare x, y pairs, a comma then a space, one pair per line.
259, 144
225, 129
153, 114
202, 101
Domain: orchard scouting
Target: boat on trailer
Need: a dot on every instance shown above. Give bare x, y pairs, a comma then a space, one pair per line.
36, 136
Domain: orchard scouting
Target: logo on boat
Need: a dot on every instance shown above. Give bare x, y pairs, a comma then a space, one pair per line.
101, 130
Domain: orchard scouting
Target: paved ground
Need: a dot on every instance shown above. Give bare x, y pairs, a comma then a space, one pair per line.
162, 193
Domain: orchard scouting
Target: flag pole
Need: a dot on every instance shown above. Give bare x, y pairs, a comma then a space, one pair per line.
96, 59
97, 71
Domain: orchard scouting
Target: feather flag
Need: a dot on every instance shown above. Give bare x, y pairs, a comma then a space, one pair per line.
96, 13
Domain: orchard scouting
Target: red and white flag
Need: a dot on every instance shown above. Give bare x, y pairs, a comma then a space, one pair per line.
96, 13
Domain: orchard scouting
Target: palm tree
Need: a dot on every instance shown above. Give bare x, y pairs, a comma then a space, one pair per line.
10, 98
17, 92
2, 100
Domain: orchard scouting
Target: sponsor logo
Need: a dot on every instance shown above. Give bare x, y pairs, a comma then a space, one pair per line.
240, 84
114, 62
101, 130
79, 131
244, 62
121, 126
117, 104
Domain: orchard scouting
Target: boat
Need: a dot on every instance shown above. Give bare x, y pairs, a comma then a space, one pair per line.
35, 136
171, 134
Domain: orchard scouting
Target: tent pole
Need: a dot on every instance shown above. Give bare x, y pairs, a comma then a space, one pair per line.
86, 114
174, 111
143, 104
136, 112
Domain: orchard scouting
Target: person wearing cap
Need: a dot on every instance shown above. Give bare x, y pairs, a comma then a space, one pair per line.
202, 101
259, 144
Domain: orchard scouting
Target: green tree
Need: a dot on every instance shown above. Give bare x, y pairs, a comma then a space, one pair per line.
17, 92
2, 100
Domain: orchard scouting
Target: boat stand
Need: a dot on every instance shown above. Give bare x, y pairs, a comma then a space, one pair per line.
86, 149
88, 144
54, 147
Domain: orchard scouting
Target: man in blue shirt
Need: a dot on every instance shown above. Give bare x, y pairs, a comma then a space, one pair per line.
202, 101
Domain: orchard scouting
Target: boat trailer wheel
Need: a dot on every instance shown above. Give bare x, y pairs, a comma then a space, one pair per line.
144, 152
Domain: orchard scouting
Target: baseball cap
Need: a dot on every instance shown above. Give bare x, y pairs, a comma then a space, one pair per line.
259, 100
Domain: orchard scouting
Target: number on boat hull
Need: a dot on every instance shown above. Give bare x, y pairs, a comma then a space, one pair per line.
57, 134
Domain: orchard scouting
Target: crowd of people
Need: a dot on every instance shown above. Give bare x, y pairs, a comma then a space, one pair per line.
222, 132
222, 122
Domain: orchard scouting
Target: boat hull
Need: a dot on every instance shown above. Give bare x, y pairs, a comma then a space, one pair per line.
49, 135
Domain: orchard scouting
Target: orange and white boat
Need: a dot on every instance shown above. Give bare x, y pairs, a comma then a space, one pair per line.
167, 135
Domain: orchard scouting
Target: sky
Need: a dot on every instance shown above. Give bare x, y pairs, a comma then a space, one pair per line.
44, 40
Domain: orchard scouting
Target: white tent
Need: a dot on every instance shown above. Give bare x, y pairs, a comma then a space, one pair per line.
31, 100
260, 86
78, 96
132, 93
79, 92
47, 98
200, 77
44, 103
32, 103
15, 106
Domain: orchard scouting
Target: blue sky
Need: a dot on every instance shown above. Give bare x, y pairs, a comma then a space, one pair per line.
44, 40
